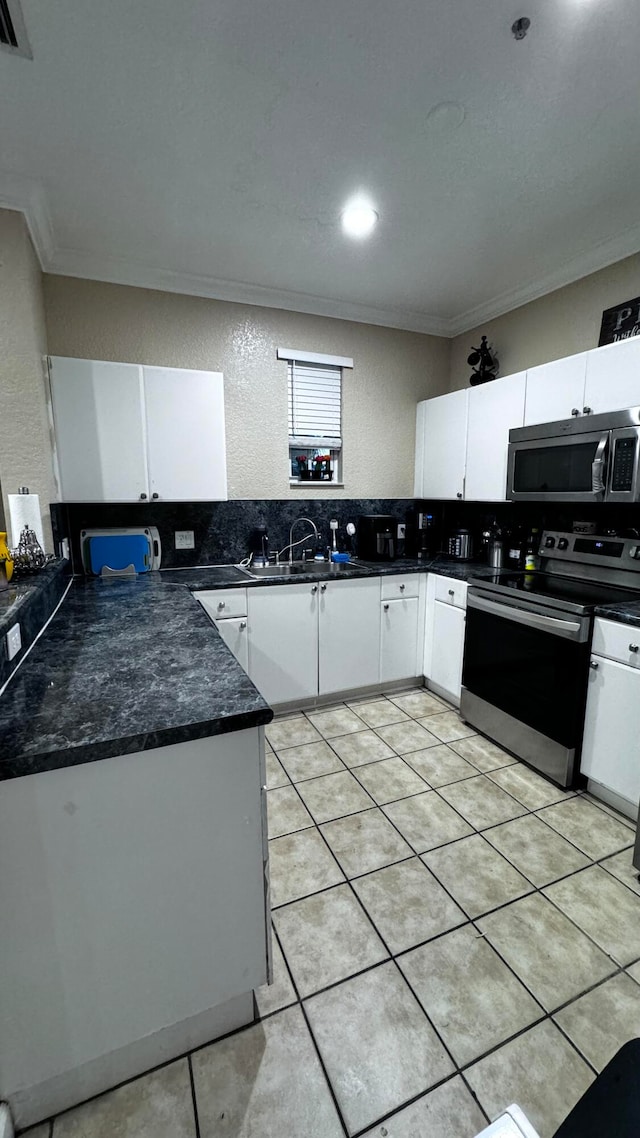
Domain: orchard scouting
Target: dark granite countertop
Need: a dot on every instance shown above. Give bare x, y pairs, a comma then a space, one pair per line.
124, 666
625, 612
228, 576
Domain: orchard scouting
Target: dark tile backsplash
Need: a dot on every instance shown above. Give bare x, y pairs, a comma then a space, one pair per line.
221, 529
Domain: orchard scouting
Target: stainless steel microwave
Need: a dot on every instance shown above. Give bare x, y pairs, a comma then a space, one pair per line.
593, 458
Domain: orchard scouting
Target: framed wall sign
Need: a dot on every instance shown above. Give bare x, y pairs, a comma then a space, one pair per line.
620, 322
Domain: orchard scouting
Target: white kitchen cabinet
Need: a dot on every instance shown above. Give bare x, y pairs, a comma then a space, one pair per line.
349, 635
98, 413
448, 644
399, 640
444, 445
283, 641
494, 408
613, 377
185, 434
610, 753
127, 433
555, 390
233, 631
418, 485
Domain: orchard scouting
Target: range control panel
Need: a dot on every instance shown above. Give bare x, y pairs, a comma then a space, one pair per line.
617, 552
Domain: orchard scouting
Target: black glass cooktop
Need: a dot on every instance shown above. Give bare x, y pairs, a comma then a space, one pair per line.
573, 591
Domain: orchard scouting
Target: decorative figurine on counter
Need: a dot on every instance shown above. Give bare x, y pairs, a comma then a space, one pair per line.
28, 556
484, 362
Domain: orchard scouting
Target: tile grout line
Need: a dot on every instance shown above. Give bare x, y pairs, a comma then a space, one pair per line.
194, 1097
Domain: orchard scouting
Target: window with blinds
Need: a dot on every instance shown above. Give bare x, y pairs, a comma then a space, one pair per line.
315, 421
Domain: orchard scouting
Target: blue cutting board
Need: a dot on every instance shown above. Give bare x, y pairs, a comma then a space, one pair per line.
119, 552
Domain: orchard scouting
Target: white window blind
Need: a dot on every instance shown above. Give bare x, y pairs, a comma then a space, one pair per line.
315, 405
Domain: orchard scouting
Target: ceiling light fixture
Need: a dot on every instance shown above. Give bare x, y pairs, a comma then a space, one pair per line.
359, 218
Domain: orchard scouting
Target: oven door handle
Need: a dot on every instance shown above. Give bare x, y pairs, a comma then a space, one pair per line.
557, 626
598, 468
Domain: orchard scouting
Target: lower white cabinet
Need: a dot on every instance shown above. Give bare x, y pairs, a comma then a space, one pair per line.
448, 640
610, 753
283, 641
398, 639
349, 635
234, 633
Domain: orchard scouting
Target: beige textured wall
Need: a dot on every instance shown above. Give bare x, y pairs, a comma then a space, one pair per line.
25, 447
556, 325
393, 371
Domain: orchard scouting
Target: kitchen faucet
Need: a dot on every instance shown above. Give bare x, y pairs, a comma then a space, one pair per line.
306, 536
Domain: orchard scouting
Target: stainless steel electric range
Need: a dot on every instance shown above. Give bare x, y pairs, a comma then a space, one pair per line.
527, 644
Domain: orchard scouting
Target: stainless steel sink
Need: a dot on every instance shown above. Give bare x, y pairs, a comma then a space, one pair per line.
299, 568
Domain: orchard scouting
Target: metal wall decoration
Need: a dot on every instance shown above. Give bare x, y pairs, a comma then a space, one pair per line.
620, 322
484, 362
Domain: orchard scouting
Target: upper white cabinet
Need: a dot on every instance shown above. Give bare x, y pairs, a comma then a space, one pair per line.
444, 422
98, 411
555, 390
185, 434
126, 433
613, 377
494, 408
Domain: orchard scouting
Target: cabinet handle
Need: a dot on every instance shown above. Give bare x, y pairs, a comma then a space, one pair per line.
575, 411
594, 664
221, 604
143, 497
459, 494
314, 588
386, 608
154, 495
243, 624
451, 593
587, 410
634, 648
402, 588
323, 588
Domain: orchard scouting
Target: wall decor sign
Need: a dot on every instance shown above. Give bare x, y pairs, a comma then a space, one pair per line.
620, 322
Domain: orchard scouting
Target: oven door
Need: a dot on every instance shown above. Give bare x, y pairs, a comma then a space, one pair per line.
568, 468
524, 680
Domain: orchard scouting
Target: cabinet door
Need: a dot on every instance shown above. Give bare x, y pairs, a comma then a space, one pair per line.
185, 434
613, 377
349, 635
399, 640
234, 634
611, 730
445, 443
99, 426
555, 390
494, 408
283, 641
448, 642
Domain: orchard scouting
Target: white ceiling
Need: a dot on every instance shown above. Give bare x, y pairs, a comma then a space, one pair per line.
207, 146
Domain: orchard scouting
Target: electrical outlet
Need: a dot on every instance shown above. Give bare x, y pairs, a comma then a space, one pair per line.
185, 539
14, 641
402, 531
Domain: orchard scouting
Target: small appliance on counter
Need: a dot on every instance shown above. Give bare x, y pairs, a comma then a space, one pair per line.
421, 537
376, 537
259, 547
120, 552
460, 545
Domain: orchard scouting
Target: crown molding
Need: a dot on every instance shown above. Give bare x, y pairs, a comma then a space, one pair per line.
28, 196
598, 257
116, 270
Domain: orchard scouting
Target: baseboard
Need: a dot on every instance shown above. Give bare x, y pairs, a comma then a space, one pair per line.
6, 1125
611, 798
374, 691
443, 693
32, 1104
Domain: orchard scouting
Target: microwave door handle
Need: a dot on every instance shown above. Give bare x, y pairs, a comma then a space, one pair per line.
598, 466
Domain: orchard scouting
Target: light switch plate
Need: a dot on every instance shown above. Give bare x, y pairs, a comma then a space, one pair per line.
14, 641
185, 539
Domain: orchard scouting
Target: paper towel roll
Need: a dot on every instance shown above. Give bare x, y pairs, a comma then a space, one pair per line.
24, 510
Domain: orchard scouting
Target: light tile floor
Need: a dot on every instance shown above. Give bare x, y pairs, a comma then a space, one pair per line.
452, 933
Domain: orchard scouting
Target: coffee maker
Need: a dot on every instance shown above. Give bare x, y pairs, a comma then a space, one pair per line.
377, 537
259, 546
421, 540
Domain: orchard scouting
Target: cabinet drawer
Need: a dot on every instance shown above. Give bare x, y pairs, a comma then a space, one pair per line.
617, 641
404, 585
451, 591
221, 603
